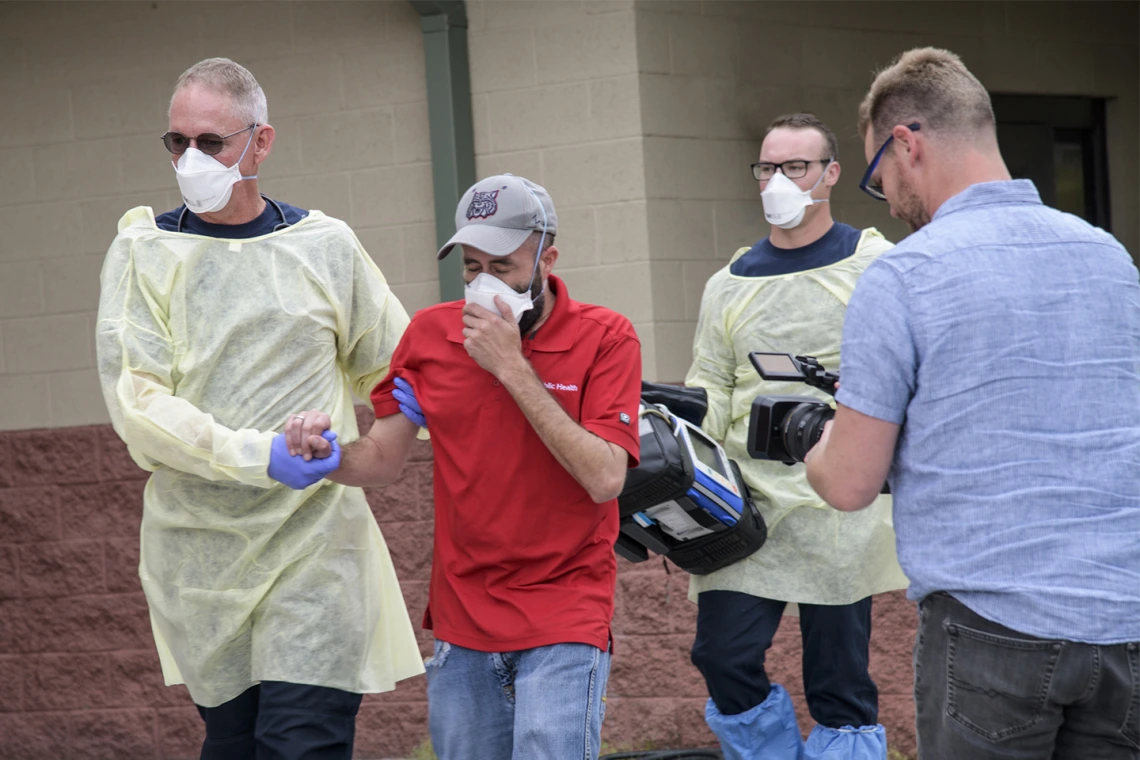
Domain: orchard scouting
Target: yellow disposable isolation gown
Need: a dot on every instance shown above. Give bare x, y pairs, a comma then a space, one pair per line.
814, 554
204, 347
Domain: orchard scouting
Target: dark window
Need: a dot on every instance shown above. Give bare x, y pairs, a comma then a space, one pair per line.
1059, 143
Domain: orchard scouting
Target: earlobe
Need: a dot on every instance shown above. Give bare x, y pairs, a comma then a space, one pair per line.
549, 256
907, 141
265, 140
912, 152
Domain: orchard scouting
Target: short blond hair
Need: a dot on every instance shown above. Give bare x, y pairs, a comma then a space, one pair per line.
228, 78
930, 86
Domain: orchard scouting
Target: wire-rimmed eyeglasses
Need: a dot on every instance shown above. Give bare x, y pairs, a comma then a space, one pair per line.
209, 143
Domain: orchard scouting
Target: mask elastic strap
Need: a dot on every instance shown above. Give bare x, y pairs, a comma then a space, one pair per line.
541, 242
248, 142
821, 175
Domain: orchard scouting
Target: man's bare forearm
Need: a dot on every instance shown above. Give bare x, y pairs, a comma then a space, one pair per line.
849, 465
361, 464
378, 458
590, 460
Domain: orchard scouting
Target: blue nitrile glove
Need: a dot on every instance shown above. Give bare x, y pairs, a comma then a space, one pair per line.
294, 471
408, 404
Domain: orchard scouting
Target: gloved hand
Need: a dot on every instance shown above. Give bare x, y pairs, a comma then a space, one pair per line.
294, 471
408, 403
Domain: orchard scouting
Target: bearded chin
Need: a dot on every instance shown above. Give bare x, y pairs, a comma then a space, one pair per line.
531, 316
916, 218
910, 208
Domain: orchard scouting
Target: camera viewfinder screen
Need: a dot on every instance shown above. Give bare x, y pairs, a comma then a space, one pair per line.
706, 452
775, 366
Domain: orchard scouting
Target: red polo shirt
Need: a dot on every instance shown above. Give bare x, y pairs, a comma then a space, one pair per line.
523, 557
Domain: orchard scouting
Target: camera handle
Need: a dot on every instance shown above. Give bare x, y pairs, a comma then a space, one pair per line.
816, 376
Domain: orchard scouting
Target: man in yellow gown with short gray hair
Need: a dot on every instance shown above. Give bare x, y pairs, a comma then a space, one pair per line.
276, 607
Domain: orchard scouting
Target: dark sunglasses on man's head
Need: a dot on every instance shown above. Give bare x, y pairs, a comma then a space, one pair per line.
208, 142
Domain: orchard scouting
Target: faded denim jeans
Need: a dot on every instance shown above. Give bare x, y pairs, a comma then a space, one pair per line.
547, 702
985, 692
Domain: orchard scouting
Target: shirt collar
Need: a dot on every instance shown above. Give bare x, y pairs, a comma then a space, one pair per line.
989, 194
556, 334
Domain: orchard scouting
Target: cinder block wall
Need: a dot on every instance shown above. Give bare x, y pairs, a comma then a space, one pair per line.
81, 676
86, 86
555, 98
714, 75
77, 659
640, 117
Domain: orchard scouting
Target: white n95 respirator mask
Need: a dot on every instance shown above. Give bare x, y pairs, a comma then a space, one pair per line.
205, 182
483, 289
785, 203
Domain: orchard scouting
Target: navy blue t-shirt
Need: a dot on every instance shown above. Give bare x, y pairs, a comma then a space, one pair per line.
266, 222
766, 260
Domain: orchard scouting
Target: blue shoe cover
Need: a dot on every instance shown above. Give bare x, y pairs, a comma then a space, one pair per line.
766, 732
847, 743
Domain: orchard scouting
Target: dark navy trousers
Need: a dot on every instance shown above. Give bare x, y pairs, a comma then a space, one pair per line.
735, 631
282, 721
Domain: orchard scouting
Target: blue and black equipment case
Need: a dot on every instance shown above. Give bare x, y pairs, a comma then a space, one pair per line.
685, 500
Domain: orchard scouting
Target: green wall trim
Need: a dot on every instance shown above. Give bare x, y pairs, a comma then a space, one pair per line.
450, 124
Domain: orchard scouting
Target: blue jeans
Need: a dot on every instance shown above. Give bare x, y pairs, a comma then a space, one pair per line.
735, 631
986, 692
275, 720
547, 702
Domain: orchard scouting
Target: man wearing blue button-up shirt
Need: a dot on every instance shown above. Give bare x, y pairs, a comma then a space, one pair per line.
991, 372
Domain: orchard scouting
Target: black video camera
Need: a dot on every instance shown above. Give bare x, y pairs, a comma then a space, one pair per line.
784, 428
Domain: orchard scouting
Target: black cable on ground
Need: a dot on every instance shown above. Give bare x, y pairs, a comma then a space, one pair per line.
667, 754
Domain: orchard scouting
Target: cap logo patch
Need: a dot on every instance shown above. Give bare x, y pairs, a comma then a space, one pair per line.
483, 205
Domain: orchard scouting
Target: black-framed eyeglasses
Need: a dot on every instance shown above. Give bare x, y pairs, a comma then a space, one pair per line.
208, 142
794, 169
875, 190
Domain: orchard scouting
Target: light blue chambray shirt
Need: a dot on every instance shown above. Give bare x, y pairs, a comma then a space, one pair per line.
1005, 337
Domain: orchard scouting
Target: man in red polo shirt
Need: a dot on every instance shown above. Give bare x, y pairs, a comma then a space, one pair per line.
532, 401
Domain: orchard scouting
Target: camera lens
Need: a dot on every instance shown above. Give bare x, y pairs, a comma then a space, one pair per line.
802, 428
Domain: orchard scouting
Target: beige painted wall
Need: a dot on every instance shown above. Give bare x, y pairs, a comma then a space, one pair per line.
640, 117
555, 98
716, 73
84, 88
86, 85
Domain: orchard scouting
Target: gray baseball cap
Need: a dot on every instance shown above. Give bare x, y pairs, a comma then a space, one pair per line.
497, 214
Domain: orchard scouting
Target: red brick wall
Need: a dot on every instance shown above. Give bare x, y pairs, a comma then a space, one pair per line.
79, 677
